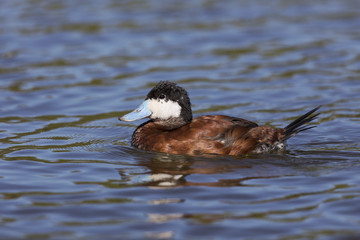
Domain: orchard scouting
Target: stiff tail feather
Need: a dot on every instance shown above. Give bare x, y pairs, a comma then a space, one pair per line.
297, 125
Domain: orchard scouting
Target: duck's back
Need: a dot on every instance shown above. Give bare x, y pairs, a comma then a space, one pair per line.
216, 134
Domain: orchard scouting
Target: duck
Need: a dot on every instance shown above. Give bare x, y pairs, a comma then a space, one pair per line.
172, 129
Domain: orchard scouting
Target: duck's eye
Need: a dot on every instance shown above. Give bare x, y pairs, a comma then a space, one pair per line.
162, 96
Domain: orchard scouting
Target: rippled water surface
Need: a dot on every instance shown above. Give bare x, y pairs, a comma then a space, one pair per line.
68, 69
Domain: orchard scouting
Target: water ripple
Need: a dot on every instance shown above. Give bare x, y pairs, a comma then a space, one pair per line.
69, 69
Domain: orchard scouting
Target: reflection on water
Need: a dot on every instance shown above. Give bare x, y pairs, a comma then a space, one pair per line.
69, 69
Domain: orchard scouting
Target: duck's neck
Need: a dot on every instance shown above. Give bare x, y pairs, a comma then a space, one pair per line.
170, 124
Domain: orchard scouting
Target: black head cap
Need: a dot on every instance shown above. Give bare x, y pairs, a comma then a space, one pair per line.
170, 91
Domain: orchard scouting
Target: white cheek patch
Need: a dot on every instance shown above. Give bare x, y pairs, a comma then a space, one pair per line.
164, 109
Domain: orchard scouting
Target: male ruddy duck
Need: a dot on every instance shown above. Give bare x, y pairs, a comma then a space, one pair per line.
171, 128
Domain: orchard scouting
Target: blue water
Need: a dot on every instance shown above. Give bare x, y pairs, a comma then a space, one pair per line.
68, 69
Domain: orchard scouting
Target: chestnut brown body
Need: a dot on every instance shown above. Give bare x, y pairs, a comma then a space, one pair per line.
215, 134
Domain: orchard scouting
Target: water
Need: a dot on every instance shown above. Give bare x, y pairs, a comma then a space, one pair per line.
68, 69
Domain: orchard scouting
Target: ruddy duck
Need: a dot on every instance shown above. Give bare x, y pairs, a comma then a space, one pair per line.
171, 128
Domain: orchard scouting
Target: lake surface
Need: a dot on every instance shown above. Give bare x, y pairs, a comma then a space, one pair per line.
68, 69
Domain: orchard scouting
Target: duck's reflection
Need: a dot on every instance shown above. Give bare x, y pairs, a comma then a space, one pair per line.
160, 170
167, 171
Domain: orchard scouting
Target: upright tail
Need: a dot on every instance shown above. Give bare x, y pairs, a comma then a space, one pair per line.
298, 124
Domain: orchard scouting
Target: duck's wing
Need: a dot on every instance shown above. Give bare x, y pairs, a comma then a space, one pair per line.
240, 122
240, 136
227, 121
224, 132
228, 129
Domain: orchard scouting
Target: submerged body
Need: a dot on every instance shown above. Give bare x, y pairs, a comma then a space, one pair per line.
172, 129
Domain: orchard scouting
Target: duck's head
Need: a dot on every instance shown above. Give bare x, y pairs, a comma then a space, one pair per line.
167, 104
